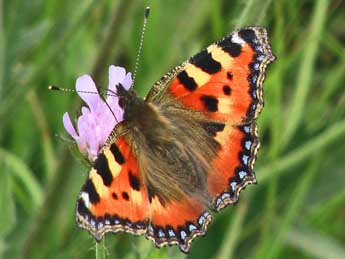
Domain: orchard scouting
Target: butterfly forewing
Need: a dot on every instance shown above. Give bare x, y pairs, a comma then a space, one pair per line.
224, 83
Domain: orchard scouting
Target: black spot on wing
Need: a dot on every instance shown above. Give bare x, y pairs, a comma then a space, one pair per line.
229, 75
186, 81
125, 196
248, 35
230, 47
117, 154
134, 181
89, 188
102, 168
213, 127
233, 49
114, 195
226, 90
205, 62
210, 102
151, 193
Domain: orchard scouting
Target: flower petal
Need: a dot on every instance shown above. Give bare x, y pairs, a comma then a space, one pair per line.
116, 76
96, 121
127, 81
87, 90
67, 123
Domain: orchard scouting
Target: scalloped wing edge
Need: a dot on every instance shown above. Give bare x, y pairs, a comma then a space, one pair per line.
99, 227
245, 175
185, 236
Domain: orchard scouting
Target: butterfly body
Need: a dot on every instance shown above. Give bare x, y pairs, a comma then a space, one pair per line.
189, 147
172, 148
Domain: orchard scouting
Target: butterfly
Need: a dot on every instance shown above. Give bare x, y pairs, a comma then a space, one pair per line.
188, 148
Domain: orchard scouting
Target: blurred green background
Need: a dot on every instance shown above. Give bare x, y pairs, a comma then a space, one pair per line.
298, 208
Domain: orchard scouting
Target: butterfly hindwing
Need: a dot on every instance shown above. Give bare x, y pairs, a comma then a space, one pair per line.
234, 165
177, 222
114, 197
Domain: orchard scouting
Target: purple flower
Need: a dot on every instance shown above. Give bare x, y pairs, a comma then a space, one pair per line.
97, 121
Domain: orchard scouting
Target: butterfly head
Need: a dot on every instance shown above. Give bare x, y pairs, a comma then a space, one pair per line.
128, 100
125, 96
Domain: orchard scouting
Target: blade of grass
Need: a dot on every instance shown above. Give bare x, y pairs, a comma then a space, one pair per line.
271, 247
11, 100
306, 70
217, 22
320, 212
314, 244
247, 17
332, 83
103, 57
305, 150
233, 232
41, 121
248, 6
263, 11
24, 174
2, 49
7, 215
275, 88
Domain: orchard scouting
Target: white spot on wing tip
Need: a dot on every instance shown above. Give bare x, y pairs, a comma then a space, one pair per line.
237, 39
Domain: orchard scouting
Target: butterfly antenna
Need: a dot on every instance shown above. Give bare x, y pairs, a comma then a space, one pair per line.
107, 92
147, 12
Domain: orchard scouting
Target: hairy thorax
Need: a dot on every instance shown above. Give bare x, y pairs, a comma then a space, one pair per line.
174, 138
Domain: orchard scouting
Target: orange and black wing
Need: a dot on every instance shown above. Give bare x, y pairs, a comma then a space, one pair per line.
224, 83
114, 197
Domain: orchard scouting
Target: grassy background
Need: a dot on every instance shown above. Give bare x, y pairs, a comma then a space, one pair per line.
298, 208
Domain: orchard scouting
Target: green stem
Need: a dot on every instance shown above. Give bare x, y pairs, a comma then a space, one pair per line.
100, 249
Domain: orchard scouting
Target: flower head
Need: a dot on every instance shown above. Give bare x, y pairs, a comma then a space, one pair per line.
96, 121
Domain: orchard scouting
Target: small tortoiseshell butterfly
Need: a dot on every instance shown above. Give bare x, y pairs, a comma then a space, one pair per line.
189, 147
